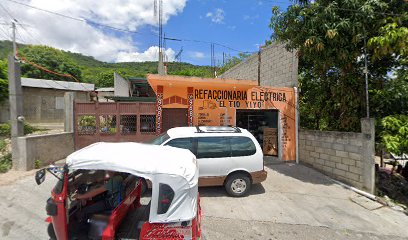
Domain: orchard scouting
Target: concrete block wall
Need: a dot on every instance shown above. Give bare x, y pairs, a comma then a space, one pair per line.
279, 67
46, 148
341, 155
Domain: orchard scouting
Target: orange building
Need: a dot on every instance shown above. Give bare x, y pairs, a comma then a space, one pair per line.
268, 113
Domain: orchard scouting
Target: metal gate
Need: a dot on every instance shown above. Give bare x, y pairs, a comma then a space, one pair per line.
174, 117
114, 122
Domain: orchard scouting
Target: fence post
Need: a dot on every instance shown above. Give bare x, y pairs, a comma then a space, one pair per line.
69, 98
368, 130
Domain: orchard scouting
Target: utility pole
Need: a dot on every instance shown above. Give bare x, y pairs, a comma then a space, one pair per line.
259, 66
16, 102
13, 25
366, 77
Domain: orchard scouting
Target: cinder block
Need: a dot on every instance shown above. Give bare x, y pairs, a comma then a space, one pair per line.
352, 149
355, 156
337, 146
310, 137
319, 149
339, 172
348, 161
330, 152
314, 154
353, 176
319, 161
359, 164
330, 164
355, 170
341, 140
342, 166
324, 156
315, 143
356, 142
326, 145
342, 154
328, 169
335, 159
310, 148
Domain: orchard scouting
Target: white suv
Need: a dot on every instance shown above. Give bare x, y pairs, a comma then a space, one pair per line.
227, 156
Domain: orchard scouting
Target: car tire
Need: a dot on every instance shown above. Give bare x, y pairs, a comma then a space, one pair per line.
51, 232
238, 185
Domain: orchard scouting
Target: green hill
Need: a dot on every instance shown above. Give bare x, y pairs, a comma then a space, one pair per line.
101, 73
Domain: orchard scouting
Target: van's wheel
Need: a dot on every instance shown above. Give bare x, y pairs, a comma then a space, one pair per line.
238, 185
51, 232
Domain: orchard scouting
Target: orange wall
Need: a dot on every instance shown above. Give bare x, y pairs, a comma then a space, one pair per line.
215, 104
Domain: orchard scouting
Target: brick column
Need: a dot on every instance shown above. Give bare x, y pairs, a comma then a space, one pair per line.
190, 99
159, 109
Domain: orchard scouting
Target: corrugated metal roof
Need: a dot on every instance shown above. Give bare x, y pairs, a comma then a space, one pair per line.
53, 84
107, 89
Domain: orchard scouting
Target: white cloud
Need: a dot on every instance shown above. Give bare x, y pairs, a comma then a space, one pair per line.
217, 16
151, 54
84, 37
197, 55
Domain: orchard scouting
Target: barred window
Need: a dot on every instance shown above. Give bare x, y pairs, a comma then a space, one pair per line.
128, 124
147, 123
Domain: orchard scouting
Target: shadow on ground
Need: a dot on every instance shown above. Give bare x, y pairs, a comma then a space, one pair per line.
297, 171
220, 191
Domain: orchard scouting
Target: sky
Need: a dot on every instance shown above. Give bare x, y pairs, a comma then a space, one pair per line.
235, 25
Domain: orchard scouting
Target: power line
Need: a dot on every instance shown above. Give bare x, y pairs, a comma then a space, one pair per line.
75, 18
124, 30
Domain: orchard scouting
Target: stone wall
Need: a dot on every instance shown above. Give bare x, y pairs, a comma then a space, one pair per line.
346, 156
42, 105
279, 68
46, 148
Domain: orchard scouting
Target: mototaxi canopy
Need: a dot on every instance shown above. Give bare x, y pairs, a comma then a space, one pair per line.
174, 167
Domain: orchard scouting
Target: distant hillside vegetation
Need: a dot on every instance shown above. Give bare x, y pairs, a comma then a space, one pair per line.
90, 69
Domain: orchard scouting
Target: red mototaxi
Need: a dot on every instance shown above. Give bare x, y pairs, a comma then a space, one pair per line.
174, 211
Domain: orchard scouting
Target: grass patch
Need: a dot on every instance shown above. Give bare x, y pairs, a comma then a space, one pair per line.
3, 145
5, 163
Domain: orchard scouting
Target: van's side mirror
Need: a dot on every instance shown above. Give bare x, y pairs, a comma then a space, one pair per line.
40, 176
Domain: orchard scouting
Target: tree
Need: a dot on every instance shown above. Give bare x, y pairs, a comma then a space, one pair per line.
50, 58
3, 81
330, 38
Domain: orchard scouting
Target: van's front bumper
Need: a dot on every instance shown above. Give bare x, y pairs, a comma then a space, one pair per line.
259, 176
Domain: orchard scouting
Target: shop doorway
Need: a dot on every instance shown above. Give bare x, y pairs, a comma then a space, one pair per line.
174, 117
263, 124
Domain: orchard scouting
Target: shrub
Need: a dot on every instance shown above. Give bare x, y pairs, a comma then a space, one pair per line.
5, 163
5, 129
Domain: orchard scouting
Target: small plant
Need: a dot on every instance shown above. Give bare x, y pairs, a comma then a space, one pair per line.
37, 164
395, 135
5, 129
5, 163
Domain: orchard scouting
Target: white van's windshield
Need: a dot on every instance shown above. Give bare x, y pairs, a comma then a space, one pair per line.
159, 139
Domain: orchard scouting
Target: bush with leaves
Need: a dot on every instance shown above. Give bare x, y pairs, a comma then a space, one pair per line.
395, 134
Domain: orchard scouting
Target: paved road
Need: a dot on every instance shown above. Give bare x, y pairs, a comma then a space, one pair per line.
295, 202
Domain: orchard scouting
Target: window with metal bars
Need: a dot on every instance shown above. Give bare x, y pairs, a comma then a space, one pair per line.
147, 123
128, 124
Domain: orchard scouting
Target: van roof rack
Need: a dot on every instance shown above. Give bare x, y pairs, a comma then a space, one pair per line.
217, 129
